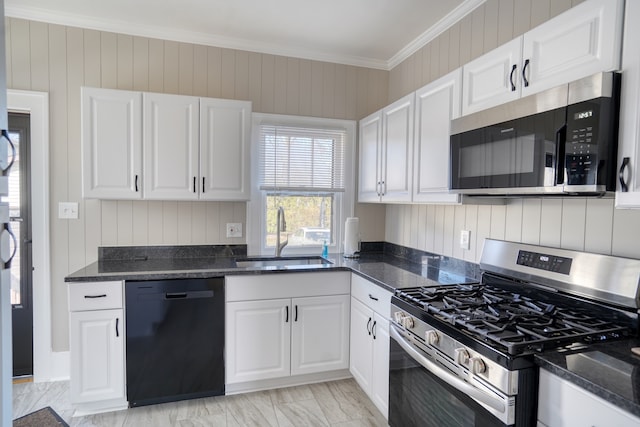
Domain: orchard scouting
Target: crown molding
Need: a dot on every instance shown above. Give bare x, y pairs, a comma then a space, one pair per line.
156, 32
465, 8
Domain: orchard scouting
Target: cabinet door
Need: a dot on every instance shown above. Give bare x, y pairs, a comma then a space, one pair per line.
584, 40
397, 152
360, 360
111, 143
370, 146
171, 133
380, 373
96, 343
225, 129
436, 105
319, 334
564, 404
629, 139
258, 340
493, 78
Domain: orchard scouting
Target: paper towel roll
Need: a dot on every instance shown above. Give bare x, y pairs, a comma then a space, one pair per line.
352, 238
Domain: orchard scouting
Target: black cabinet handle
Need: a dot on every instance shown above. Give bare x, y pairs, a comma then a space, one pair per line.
513, 85
95, 296
194, 184
368, 323
373, 298
623, 185
286, 320
7, 228
295, 319
203, 184
373, 329
117, 333
5, 170
136, 183
524, 73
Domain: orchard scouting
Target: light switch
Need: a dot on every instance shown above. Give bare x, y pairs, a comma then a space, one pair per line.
464, 239
67, 210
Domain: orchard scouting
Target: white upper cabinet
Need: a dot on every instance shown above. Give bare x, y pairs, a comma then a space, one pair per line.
157, 146
436, 105
370, 153
171, 149
628, 196
386, 147
493, 78
111, 144
582, 41
225, 137
397, 141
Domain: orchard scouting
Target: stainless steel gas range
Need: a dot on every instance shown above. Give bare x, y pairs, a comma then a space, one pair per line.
463, 355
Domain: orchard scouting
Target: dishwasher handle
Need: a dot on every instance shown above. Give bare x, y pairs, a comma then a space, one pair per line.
188, 295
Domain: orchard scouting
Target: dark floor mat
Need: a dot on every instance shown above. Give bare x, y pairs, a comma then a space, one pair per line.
45, 417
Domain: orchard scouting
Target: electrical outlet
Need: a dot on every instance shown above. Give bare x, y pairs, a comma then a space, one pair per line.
234, 229
464, 239
67, 210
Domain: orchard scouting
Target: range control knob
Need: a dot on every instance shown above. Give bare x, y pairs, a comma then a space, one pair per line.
477, 365
462, 356
407, 322
432, 337
398, 315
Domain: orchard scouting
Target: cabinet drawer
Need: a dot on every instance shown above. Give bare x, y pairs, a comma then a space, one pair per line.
372, 295
95, 296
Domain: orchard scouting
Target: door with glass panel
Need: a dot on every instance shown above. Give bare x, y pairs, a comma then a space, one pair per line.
19, 200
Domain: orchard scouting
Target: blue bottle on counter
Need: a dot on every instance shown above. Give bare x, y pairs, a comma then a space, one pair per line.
325, 250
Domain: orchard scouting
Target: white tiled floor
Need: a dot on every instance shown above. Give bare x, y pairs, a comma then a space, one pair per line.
336, 403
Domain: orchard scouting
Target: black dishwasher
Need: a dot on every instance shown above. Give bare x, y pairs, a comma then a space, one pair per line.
175, 340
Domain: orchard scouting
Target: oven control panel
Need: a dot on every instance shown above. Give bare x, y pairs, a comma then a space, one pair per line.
553, 263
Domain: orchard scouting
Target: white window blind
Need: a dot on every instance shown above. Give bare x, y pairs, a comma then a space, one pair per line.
302, 159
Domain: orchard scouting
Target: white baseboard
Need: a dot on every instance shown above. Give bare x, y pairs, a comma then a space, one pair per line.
55, 368
286, 382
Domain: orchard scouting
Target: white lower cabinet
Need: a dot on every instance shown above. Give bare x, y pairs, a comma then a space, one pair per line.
96, 344
270, 337
562, 403
369, 360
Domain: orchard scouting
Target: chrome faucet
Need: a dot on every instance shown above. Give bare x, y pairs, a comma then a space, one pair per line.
281, 225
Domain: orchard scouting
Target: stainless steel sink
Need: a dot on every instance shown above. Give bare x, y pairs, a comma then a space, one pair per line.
281, 262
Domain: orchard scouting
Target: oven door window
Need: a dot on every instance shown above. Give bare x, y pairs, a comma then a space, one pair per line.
418, 398
515, 154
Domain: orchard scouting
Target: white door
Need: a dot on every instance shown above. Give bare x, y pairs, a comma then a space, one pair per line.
225, 137
436, 105
360, 363
584, 40
171, 149
380, 373
319, 334
370, 152
258, 340
493, 78
97, 359
111, 129
397, 143
629, 139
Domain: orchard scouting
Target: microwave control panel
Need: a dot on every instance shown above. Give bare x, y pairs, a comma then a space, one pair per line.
581, 154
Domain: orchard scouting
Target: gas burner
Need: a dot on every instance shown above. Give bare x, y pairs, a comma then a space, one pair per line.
510, 320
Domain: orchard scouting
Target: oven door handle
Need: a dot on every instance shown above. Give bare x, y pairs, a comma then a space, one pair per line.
454, 382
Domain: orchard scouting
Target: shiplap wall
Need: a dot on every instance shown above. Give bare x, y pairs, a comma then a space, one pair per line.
592, 225
59, 60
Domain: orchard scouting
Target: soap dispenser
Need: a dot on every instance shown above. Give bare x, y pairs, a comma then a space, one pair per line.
325, 250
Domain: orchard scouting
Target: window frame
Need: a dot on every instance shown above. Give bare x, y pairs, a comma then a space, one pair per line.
344, 201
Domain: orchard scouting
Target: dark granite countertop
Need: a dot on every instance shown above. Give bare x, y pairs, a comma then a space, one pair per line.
609, 370
388, 271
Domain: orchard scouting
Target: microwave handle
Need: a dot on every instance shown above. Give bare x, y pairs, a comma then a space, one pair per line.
561, 142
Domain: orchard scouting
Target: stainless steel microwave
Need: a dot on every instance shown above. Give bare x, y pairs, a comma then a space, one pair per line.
561, 141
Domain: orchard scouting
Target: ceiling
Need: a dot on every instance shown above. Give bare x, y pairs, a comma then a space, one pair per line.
371, 33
